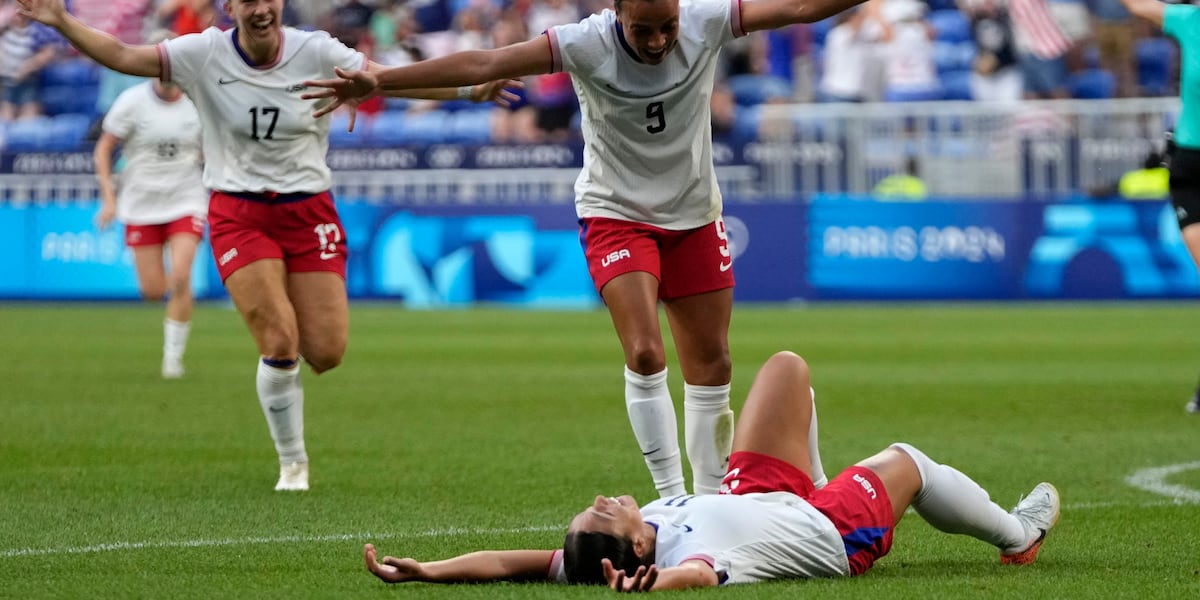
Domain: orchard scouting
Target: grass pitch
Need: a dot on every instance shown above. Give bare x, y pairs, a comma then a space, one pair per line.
445, 432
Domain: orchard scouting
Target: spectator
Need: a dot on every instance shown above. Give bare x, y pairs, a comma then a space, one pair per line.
517, 122
848, 49
186, 16
25, 49
350, 23
910, 73
905, 186
1075, 21
1113, 27
122, 19
1042, 49
552, 95
995, 72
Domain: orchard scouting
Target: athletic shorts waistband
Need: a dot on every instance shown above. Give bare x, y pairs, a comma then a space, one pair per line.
271, 197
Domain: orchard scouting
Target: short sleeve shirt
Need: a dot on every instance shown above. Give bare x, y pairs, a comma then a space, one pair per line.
646, 128
161, 146
259, 135
1182, 22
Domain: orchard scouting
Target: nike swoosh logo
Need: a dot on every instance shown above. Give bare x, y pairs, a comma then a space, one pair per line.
273, 409
224, 81
687, 528
328, 255
726, 266
651, 452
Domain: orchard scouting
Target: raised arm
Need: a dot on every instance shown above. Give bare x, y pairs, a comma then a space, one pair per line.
1150, 10
476, 567
105, 49
773, 14
471, 67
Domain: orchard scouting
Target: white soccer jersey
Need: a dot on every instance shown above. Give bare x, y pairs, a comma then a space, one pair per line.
258, 134
646, 128
746, 538
161, 147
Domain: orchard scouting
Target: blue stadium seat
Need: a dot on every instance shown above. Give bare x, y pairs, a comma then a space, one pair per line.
953, 56
821, 28
749, 90
71, 71
64, 99
1155, 65
67, 132
340, 138
388, 128
396, 128
1092, 84
950, 25
470, 127
746, 122
28, 135
956, 85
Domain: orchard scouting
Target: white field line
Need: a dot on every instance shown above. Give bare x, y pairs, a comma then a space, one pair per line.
1154, 480
1151, 480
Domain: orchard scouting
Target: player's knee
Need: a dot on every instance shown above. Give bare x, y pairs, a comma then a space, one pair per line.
179, 286
647, 358
791, 365
321, 361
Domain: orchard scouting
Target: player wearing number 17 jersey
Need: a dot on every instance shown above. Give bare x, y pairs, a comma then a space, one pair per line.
276, 235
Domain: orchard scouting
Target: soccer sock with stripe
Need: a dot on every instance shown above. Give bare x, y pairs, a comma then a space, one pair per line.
282, 400
954, 503
652, 415
708, 434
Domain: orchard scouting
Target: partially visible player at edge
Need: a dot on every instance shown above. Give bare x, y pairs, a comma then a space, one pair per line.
647, 197
1182, 22
770, 521
161, 198
276, 235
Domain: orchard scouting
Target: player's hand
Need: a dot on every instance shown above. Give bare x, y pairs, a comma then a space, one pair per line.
348, 87
642, 580
47, 12
393, 570
105, 217
499, 91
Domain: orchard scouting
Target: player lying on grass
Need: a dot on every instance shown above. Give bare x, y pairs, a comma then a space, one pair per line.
775, 518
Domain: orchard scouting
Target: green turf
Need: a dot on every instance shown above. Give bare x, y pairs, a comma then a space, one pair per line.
448, 431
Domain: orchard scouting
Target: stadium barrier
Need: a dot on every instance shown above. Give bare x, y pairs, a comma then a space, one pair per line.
447, 225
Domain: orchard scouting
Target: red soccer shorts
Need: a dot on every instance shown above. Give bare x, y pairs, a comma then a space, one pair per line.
855, 501
157, 235
302, 230
686, 263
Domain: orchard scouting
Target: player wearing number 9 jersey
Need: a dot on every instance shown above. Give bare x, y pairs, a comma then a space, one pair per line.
647, 198
275, 232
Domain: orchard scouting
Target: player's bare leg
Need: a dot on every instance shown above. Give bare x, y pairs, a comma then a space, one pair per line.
632, 301
181, 249
700, 326
259, 290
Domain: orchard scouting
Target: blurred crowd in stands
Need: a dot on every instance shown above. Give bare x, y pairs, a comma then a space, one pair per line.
884, 50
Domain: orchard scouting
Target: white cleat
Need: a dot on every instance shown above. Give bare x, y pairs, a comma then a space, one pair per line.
172, 368
1038, 512
293, 477
1193, 405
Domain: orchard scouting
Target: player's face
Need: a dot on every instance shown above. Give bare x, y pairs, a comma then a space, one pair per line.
651, 27
615, 516
258, 19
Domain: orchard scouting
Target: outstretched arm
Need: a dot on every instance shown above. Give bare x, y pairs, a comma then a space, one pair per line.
476, 567
468, 68
1150, 10
773, 14
99, 46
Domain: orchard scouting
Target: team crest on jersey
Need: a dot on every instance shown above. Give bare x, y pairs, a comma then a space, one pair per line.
298, 87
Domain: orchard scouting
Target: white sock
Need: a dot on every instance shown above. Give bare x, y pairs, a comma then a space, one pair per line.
282, 400
652, 415
175, 335
814, 451
708, 434
952, 502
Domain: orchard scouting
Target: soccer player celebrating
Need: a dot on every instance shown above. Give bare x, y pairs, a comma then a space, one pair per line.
647, 198
770, 521
162, 200
276, 236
